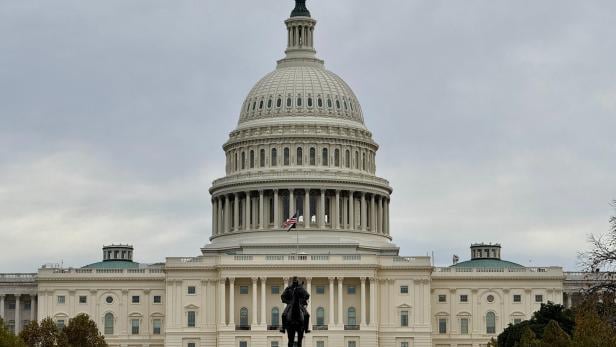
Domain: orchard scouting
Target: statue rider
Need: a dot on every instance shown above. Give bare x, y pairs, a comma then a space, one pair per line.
302, 296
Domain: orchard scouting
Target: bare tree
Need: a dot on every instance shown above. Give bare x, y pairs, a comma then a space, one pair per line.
600, 260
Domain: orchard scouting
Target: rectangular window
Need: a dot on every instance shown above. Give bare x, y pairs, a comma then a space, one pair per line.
404, 318
191, 319
538, 298
135, 299
157, 299
192, 290
61, 299
321, 290
156, 326
517, 298
27, 305
12, 326
243, 344
134, 326
243, 290
404, 344
24, 323
274, 344
60, 324
463, 298
83, 299
351, 290
352, 344
442, 326
442, 298
11, 305
320, 343
517, 320
404, 289
191, 344
464, 326
275, 289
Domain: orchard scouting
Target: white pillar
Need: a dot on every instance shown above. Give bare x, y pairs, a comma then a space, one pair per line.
363, 301
236, 212
372, 214
261, 214
232, 302
340, 301
254, 301
222, 303
276, 210
291, 202
331, 322
380, 216
263, 302
386, 217
17, 314
247, 223
2, 306
322, 210
227, 213
351, 211
32, 307
372, 302
337, 209
363, 211
307, 209
214, 216
221, 221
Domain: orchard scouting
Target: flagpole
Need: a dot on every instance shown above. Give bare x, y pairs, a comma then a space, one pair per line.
297, 235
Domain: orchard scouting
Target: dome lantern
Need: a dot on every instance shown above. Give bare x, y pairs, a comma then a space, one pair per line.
300, 38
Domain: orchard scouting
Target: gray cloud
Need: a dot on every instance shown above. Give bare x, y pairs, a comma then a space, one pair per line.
494, 119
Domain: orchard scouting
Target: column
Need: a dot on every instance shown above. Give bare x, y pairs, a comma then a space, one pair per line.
276, 210
307, 209
331, 302
340, 301
247, 222
214, 217
222, 303
351, 210
232, 302
2, 306
261, 216
363, 211
372, 302
380, 216
309, 289
221, 223
227, 217
322, 210
362, 305
263, 302
372, 214
291, 202
32, 307
337, 209
236, 212
254, 301
386, 218
17, 314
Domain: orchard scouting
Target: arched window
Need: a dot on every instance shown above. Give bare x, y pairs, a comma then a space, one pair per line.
338, 104
243, 160
274, 157
320, 316
235, 166
329, 103
320, 102
363, 161
261, 105
269, 103
286, 156
356, 159
336, 157
254, 105
243, 317
279, 102
351, 316
299, 156
324, 157
109, 324
262, 158
347, 159
313, 156
309, 102
252, 159
288, 102
490, 323
275, 316
299, 101
351, 103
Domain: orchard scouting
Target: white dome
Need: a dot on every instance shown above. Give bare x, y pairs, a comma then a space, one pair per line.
301, 90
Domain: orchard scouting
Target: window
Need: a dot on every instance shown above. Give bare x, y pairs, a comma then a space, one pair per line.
288, 102
363, 161
134, 326
60, 324
320, 102
243, 290
260, 104
192, 315
299, 101
320, 343
27, 305
324, 157
404, 344
11, 326
244, 343
338, 104
109, 324
351, 290
243, 316
109, 299
252, 159
442, 298
279, 102
351, 316
192, 290
404, 318
356, 159
517, 298
517, 320
309, 102
275, 316
337, 157
156, 326
269, 103
442, 326
157, 299
11, 305
463, 298
320, 316
352, 344
286, 156
404, 289
329, 103
191, 344
83, 299
61, 299
275, 289
490, 323
490, 298
313, 156
274, 344
464, 326
347, 159
262, 158
274, 157
538, 298
243, 160
135, 299
299, 154
320, 290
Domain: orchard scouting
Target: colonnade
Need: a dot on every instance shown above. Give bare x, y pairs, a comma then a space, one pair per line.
11, 310
316, 208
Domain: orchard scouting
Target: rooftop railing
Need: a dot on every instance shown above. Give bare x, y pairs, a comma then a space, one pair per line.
532, 271
17, 277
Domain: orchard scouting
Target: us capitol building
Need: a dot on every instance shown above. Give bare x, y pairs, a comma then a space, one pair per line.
300, 145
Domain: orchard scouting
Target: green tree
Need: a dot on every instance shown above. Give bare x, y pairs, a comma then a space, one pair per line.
591, 330
528, 338
554, 336
50, 335
7, 338
81, 331
31, 334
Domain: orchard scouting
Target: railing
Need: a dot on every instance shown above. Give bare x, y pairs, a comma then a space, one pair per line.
92, 272
351, 257
285, 259
18, 277
521, 270
319, 327
351, 327
273, 327
242, 327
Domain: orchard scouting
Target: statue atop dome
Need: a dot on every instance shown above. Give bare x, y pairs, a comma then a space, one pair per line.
300, 9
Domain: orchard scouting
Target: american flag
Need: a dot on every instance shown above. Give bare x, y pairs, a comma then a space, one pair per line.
290, 223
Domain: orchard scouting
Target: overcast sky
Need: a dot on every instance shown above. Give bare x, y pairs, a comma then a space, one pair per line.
496, 119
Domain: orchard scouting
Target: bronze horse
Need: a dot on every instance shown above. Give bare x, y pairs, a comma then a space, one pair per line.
295, 318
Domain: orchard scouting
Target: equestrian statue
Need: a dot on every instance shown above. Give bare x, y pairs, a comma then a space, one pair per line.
295, 318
